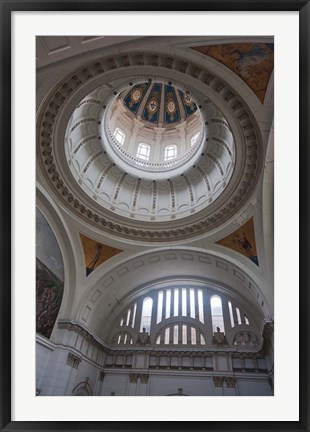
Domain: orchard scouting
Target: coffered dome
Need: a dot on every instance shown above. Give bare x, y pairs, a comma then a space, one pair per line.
133, 173
155, 169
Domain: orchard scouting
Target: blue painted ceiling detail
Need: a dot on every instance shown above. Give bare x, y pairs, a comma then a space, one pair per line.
172, 110
189, 105
147, 99
135, 96
151, 109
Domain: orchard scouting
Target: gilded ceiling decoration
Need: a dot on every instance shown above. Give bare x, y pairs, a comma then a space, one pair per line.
159, 103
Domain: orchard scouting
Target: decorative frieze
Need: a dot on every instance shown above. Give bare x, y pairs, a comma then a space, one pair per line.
230, 382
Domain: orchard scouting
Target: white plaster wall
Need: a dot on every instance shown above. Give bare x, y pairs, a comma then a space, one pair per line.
254, 387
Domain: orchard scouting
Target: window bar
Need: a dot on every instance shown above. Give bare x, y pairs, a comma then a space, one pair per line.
196, 304
188, 301
171, 335
171, 303
189, 335
154, 311
180, 334
164, 304
226, 316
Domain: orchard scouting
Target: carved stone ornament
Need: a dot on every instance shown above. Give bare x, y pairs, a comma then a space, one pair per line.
73, 360
144, 378
143, 338
230, 382
218, 381
219, 339
101, 375
133, 377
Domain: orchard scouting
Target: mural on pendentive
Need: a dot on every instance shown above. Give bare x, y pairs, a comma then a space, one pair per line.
96, 253
49, 277
252, 62
243, 241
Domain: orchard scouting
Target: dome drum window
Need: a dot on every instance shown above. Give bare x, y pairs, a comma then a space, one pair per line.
119, 136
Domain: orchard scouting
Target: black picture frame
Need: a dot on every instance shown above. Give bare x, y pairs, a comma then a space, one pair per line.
6, 8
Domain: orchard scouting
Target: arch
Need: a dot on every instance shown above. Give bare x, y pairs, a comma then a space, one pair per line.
189, 267
83, 388
68, 250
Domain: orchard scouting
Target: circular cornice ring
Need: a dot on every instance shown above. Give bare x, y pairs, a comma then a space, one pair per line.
56, 109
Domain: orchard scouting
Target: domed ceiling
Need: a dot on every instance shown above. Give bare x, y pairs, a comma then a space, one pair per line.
139, 189
159, 103
137, 199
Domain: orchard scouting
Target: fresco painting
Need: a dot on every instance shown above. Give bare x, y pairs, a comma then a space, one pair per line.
49, 276
243, 241
252, 62
96, 253
49, 292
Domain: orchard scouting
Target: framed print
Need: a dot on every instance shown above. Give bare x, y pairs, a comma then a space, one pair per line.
154, 216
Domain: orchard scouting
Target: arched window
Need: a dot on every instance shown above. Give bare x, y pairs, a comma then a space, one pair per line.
170, 152
146, 314
194, 138
217, 314
119, 136
143, 151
